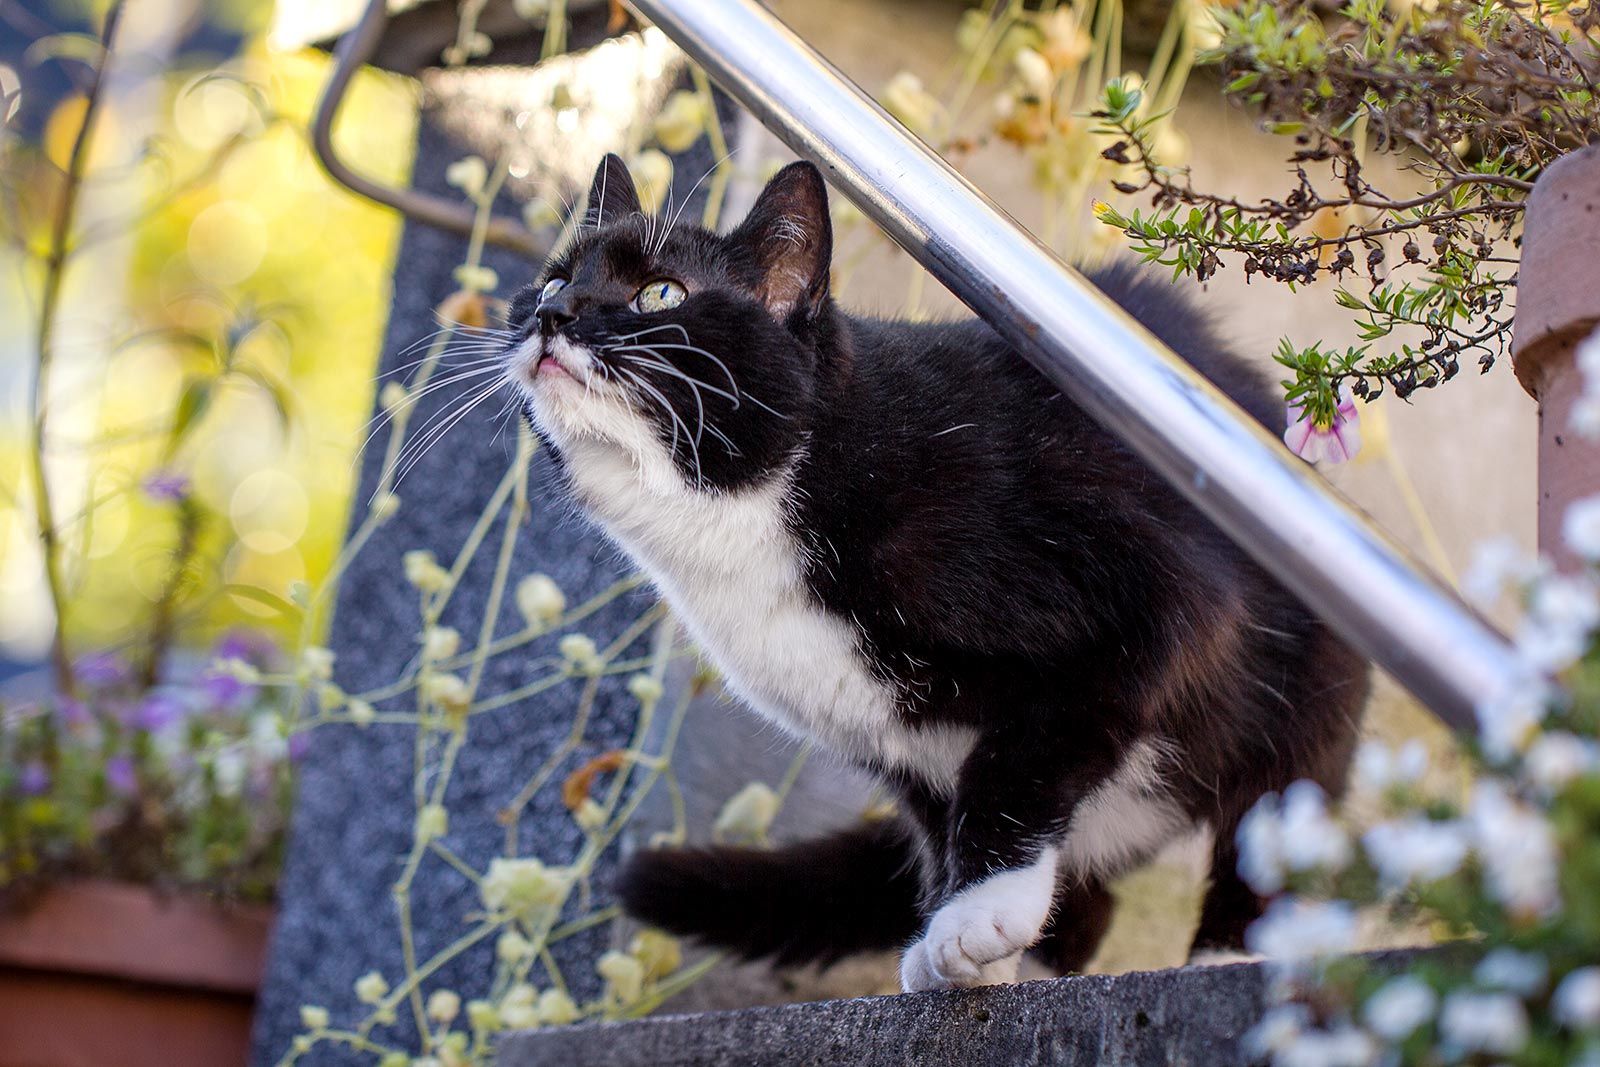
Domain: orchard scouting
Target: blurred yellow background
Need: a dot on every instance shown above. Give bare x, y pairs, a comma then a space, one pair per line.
215, 259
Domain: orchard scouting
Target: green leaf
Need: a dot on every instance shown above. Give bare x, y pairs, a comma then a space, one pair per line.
192, 406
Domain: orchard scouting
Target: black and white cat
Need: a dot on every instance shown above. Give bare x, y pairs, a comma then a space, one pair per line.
900, 541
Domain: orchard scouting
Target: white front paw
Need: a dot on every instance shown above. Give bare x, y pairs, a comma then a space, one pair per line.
918, 973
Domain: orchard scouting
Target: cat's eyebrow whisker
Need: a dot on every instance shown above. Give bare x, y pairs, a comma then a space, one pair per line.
690, 196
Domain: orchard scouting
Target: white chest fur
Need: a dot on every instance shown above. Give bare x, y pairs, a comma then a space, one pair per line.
730, 567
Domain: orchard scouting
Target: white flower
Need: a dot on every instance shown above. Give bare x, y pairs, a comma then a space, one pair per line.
1496, 565
229, 769
424, 572
384, 505
1378, 767
1576, 1002
361, 712
556, 1008
446, 691
1556, 758
512, 947
580, 652
313, 1017
540, 600
393, 395
469, 174
1517, 849
371, 988
1564, 610
1399, 1007
317, 662
1033, 70
1483, 1022
443, 1006
1277, 1030
748, 813
266, 738
1414, 849
1298, 836
1522, 973
645, 689
1581, 528
1293, 930
1341, 1046
1506, 724
440, 642
523, 885
517, 1009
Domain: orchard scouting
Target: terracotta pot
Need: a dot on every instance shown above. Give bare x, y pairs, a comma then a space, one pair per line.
96, 974
1558, 305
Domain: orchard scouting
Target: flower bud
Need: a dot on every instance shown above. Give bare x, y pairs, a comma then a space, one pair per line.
443, 1006
748, 813
371, 988
313, 1017
624, 975
469, 174
540, 600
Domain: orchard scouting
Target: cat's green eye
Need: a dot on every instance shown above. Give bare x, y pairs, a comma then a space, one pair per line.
551, 288
660, 295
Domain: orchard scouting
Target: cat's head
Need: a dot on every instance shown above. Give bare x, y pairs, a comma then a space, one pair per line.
694, 353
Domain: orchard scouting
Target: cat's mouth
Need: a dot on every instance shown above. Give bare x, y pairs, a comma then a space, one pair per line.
551, 359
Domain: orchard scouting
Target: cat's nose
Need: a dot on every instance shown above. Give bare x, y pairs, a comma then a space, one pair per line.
553, 315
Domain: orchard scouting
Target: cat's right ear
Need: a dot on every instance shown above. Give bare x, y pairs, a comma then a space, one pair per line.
612, 194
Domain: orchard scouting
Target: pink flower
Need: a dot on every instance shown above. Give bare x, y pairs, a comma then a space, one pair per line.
1335, 443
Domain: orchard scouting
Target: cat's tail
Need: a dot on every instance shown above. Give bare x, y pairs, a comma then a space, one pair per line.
810, 902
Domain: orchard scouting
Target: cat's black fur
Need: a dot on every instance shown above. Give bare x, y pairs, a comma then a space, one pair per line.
1006, 563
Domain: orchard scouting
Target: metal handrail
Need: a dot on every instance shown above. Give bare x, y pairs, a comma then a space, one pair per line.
355, 48
1241, 477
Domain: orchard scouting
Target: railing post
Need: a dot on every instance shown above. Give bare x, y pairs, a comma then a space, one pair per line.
1238, 475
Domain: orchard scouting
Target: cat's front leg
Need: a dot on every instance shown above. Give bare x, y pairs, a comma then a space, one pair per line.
1001, 845
977, 937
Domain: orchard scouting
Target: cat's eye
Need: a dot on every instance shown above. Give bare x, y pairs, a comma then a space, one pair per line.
660, 295
551, 288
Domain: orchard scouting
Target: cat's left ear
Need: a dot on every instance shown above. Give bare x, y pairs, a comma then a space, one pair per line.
790, 237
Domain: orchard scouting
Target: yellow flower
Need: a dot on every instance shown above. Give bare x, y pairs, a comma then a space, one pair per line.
424, 572
540, 600
440, 642
443, 1006
748, 813
659, 953
915, 107
624, 975
556, 1008
682, 121
371, 988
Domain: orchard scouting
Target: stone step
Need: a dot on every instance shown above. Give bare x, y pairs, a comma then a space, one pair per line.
1194, 1016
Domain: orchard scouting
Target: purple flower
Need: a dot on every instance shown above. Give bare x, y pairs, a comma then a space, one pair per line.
156, 712
33, 780
251, 646
299, 745
102, 670
72, 713
120, 775
167, 486
225, 692
1335, 443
